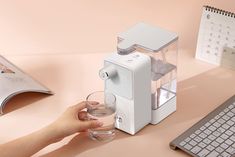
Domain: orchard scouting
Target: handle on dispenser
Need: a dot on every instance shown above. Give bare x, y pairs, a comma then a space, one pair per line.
125, 47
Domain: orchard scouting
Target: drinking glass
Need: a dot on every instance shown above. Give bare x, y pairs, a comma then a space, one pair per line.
103, 111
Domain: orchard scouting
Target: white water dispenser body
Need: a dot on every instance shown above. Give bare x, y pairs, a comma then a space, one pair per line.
128, 78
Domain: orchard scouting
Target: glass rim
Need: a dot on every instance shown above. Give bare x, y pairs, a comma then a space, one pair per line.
100, 92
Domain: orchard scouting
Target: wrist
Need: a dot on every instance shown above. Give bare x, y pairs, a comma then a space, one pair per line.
50, 134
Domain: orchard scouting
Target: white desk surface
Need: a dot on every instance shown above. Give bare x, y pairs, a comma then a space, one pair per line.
201, 88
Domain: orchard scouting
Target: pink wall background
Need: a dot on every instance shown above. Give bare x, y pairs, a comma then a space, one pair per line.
91, 26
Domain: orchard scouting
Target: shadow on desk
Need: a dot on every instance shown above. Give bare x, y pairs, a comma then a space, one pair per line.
201, 94
22, 100
79, 144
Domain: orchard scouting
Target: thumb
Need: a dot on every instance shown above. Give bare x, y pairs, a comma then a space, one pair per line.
90, 124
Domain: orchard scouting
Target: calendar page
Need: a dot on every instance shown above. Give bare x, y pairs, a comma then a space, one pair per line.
217, 30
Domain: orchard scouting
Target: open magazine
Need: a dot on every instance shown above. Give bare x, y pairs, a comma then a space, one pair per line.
14, 81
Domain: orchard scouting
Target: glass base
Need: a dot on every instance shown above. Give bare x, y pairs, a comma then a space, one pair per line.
104, 136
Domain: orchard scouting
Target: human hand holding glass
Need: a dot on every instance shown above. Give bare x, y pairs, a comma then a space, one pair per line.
74, 120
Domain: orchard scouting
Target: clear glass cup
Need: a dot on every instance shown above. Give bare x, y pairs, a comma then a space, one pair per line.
104, 112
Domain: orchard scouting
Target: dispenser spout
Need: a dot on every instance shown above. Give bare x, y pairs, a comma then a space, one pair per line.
107, 72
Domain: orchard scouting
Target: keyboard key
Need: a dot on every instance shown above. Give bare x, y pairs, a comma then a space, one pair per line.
220, 130
212, 120
216, 133
211, 137
216, 124
202, 135
196, 149
212, 128
193, 135
210, 147
225, 117
219, 149
203, 153
231, 150
226, 110
193, 143
207, 124
215, 144
233, 110
202, 128
202, 144
232, 129
187, 139
225, 126
232, 138
230, 114
223, 145
225, 154
217, 116
188, 147
229, 142
198, 132
230, 122
220, 140
197, 139
221, 113
233, 119
182, 143
228, 132
221, 121
207, 141
213, 154
230, 106
224, 136
208, 132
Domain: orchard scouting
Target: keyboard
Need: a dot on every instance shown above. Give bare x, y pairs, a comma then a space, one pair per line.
212, 136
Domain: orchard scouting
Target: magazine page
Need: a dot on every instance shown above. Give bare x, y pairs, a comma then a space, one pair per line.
14, 81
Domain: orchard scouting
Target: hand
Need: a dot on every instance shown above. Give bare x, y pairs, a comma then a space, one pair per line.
73, 120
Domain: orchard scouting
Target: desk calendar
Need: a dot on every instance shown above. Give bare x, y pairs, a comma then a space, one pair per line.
217, 31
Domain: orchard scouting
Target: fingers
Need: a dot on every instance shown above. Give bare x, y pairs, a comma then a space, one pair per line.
90, 124
82, 115
80, 106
